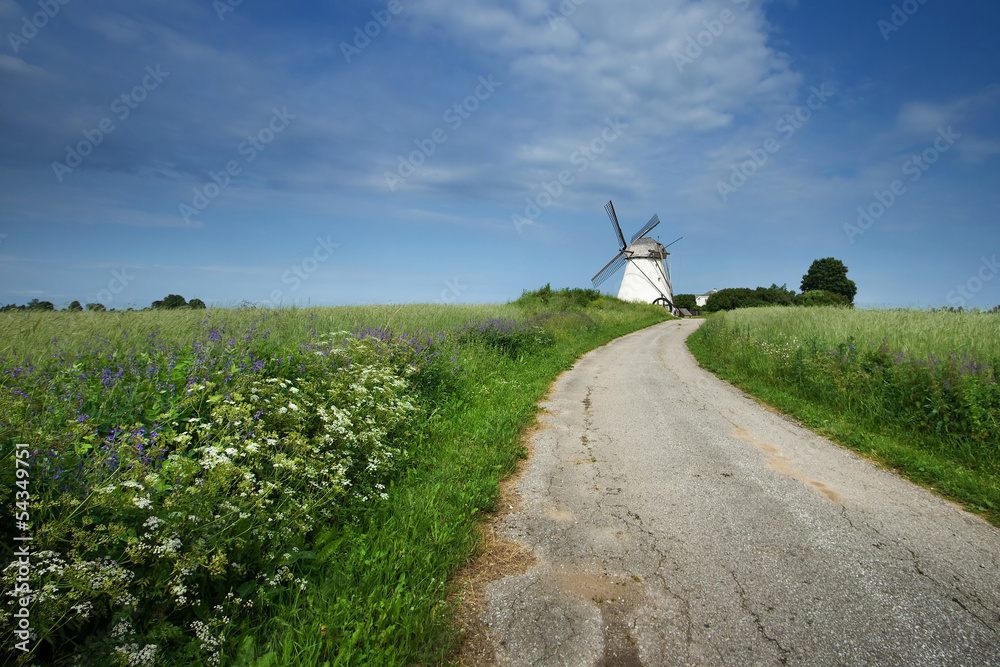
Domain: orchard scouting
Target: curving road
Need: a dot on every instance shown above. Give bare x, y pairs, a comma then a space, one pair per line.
677, 522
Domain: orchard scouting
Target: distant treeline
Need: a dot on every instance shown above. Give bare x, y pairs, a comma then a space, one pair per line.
169, 302
825, 284
732, 298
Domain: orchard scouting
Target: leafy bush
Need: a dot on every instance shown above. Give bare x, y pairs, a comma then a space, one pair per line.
177, 488
567, 299
510, 337
743, 297
821, 298
688, 301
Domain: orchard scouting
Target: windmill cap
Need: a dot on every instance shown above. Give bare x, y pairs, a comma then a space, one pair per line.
646, 248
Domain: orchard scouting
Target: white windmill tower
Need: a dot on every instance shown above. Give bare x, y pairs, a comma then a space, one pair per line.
647, 270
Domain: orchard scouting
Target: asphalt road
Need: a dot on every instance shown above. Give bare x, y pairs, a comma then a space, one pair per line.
675, 521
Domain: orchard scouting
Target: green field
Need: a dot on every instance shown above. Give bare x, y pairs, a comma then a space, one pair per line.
267, 487
914, 390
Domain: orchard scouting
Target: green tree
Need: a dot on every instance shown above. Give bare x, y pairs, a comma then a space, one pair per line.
99, 307
686, 301
732, 298
744, 297
75, 307
829, 274
197, 304
170, 302
778, 296
35, 304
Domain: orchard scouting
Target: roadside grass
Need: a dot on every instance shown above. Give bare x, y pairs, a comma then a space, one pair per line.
916, 391
383, 599
321, 534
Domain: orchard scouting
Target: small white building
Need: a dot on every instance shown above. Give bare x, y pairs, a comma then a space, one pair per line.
701, 299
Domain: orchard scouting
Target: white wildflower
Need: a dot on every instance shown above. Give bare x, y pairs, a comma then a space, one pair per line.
138, 657
84, 609
152, 522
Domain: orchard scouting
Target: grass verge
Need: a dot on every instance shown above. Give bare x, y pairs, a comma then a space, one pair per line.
383, 600
910, 390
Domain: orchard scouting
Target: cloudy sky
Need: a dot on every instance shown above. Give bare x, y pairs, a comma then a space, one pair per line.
436, 150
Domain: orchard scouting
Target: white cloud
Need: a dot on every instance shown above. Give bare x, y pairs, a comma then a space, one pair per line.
18, 66
621, 57
922, 118
605, 60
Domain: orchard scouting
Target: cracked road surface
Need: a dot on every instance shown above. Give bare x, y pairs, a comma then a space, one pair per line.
675, 521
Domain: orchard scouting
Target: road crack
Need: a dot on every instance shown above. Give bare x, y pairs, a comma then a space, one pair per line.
784, 652
991, 623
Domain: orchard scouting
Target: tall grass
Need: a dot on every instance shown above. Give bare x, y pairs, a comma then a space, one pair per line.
39, 335
916, 389
268, 487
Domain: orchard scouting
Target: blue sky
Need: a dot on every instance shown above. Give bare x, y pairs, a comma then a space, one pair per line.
463, 151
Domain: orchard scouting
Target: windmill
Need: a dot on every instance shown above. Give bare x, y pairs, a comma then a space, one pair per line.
647, 267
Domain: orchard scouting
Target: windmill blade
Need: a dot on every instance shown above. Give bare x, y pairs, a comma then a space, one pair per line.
672, 242
609, 207
609, 269
653, 222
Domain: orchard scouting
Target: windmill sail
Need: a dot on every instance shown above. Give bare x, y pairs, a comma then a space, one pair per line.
653, 222
610, 208
609, 269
